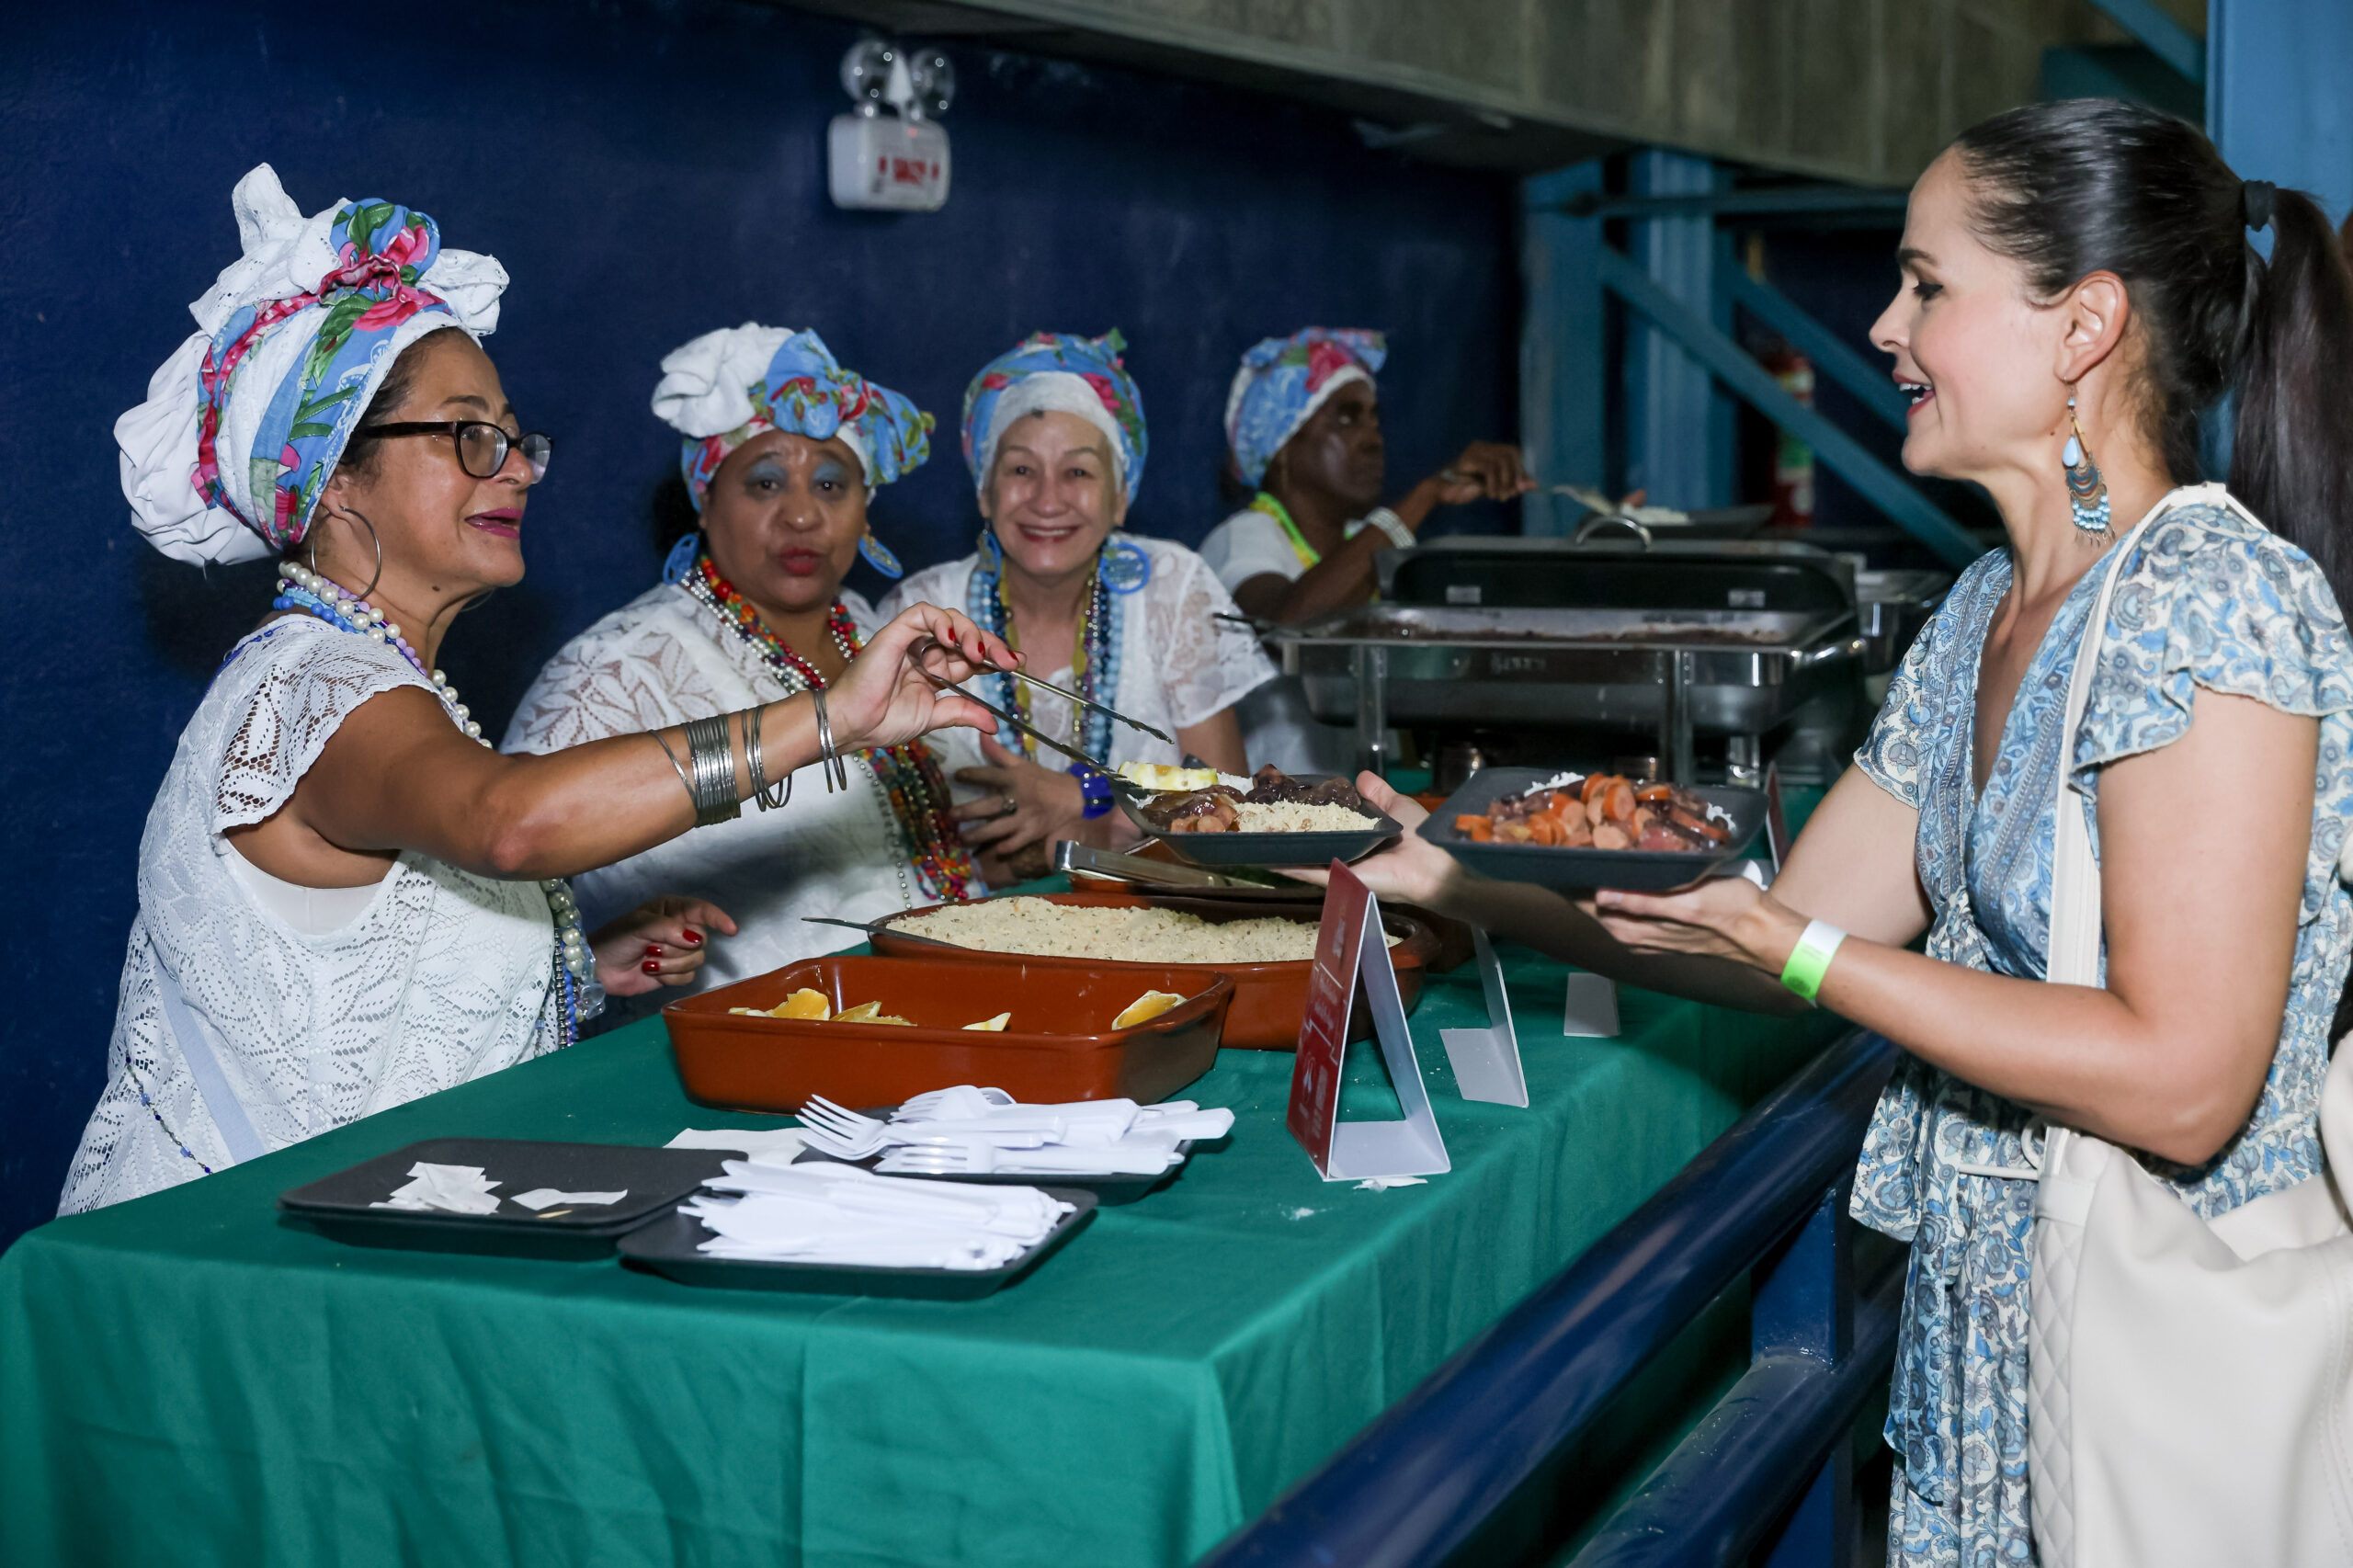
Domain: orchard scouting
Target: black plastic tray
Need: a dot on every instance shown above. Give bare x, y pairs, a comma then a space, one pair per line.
1547, 865
671, 1246
1109, 1191
1270, 848
656, 1179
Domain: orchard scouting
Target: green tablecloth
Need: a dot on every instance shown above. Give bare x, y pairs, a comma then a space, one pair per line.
184, 1380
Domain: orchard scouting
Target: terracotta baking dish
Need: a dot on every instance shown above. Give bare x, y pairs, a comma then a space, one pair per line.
1059, 1045
1267, 997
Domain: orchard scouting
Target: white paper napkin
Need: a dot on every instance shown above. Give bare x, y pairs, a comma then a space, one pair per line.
452, 1190
833, 1213
780, 1145
548, 1197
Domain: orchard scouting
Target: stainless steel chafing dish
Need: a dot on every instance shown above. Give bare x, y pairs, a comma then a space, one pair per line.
1675, 639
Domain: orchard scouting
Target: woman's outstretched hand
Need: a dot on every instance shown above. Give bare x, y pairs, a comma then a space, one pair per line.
1411, 870
656, 944
891, 692
1726, 917
1046, 805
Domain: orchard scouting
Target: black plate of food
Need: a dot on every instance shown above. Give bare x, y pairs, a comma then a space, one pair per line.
672, 1246
1170, 816
1680, 854
341, 1205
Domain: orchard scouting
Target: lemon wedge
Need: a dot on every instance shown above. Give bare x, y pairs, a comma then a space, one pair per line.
1161, 777
1145, 1009
992, 1025
887, 1018
804, 1004
864, 1013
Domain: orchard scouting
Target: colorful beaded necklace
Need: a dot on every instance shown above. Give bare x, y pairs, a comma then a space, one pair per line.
1309, 556
909, 777
1095, 668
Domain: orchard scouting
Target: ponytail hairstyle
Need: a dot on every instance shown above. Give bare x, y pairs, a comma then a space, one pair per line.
2093, 185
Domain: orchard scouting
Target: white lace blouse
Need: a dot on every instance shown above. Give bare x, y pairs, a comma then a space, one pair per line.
443, 977
1179, 663
661, 659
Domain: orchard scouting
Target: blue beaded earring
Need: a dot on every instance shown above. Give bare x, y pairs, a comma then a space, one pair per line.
2086, 491
1124, 567
991, 549
878, 555
681, 559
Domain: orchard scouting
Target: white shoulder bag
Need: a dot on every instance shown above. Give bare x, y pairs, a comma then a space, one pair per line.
2190, 1385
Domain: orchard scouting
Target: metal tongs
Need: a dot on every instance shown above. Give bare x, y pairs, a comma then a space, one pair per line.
1023, 726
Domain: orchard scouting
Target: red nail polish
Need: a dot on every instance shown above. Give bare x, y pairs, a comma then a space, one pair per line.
692, 938
652, 949
651, 967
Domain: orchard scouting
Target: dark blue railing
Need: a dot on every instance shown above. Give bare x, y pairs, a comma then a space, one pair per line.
1768, 1464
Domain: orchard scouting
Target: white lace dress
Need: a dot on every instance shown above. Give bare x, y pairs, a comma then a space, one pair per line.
660, 660
1179, 663
444, 977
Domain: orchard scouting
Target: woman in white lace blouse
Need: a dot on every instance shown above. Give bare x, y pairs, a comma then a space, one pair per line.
346, 899
782, 448
1054, 434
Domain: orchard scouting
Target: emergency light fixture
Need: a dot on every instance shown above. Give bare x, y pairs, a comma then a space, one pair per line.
896, 162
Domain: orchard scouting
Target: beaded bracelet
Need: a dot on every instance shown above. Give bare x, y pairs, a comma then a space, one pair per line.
1094, 790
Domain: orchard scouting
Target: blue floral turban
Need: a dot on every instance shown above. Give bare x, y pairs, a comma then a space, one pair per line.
728, 386
241, 427
1283, 383
1057, 372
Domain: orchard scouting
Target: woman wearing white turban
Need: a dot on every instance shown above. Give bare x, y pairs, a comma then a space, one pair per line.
346, 899
782, 449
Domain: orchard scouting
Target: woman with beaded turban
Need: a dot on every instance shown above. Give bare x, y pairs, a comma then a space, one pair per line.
783, 450
346, 899
1303, 428
1055, 434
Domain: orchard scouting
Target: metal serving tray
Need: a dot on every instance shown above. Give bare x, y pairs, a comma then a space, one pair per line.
1674, 672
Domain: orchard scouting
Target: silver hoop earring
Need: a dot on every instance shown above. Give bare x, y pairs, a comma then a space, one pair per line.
376, 538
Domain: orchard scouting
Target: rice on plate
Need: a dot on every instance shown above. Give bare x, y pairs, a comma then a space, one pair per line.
1042, 928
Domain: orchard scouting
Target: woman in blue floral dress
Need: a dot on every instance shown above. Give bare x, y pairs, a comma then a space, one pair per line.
2079, 287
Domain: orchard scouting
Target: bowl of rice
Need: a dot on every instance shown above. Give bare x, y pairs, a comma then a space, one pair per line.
1269, 949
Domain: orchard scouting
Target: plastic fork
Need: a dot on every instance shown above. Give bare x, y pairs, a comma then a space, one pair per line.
947, 1158
841, 1132
963, 1102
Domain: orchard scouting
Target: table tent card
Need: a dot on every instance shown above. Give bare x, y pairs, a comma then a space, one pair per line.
1486, 1062
1592, 1012
1349, 948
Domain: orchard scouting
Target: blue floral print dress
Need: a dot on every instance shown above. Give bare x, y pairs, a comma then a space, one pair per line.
2208, 600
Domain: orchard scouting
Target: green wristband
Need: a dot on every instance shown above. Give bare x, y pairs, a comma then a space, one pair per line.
1810, 960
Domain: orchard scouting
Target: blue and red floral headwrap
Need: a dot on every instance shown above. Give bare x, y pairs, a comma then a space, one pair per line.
241, 427
728, 386
1283, 383
1057, 372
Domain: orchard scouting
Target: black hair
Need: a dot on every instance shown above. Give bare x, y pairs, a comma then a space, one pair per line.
2092, 184
360, 452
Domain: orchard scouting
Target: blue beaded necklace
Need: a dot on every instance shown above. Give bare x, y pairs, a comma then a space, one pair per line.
1097, 669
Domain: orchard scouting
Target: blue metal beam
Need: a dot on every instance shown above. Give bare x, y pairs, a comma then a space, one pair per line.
1413, 1486
1882, 486
1764, 203
2159, 34
1871, 383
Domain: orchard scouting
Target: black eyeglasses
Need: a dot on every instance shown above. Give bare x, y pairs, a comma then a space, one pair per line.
482, 446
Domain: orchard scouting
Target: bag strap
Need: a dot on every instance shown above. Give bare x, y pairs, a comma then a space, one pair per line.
2072, 957
195, 1041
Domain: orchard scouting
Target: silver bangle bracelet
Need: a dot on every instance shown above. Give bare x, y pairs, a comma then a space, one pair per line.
756, 764
836, 773
711, 754
683, 779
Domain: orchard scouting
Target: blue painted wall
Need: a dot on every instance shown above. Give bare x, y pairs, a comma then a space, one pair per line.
646, 171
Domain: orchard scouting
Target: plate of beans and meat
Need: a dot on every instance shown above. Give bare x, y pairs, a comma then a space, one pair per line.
1579, 830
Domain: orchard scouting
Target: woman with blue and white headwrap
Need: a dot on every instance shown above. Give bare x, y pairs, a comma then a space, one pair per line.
1302, 427
346, 899
1055, 434
782, 449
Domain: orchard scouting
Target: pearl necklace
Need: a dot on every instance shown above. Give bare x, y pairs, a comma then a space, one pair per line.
315, 593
